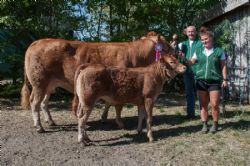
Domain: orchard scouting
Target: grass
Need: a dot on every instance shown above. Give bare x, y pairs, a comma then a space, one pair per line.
178, 141
230, 146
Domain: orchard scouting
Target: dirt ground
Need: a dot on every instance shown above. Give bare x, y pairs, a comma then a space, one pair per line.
177, 141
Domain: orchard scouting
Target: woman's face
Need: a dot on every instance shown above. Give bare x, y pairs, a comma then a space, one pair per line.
207, 41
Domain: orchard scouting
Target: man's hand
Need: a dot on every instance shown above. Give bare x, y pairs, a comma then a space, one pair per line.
181, 54
224, 84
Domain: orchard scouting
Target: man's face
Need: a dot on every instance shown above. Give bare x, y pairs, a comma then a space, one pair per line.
191, 32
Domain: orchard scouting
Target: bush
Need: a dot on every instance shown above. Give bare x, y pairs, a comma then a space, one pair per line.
10, 90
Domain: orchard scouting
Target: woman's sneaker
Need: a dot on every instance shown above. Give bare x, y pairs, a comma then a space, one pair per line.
214, 128
204, 129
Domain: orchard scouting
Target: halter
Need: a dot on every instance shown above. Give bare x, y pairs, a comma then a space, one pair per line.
158, 49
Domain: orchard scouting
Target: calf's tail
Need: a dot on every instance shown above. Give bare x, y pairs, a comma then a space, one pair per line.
75, 100
25, 94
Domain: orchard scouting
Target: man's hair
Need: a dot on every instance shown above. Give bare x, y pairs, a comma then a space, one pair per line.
191, 26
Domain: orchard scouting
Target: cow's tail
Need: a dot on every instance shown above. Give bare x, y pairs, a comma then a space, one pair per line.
75, 100
25, 93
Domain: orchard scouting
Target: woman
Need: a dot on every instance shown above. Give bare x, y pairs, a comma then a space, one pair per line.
210, 75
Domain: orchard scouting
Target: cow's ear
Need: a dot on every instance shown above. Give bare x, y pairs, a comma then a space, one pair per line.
154, 38
158, 37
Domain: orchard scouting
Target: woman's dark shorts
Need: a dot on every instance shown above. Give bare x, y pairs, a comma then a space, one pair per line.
211, 85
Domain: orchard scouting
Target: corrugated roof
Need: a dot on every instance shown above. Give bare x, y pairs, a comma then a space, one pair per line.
224, 7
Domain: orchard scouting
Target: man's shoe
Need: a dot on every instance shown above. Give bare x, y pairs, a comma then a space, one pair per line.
190, 117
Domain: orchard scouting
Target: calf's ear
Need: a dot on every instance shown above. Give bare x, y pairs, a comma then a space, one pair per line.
162, 60
168, 66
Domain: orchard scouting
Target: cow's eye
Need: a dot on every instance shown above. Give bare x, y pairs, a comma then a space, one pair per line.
171, 62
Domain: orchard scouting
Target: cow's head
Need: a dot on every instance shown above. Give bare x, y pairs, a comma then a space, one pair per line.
171, 65
157, 38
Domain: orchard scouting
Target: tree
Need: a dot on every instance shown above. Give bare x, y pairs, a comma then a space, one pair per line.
24, 21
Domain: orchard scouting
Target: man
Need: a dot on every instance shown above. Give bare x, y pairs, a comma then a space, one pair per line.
187, 49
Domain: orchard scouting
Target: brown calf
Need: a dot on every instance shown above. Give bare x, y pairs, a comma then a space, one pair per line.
140, 86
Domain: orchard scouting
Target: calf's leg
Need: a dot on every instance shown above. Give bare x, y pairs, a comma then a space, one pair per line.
105, 112
83, 113
118, 120
149, 109
141, 116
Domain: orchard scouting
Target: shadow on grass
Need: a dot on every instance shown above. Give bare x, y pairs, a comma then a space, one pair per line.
164, 100
234, 113
59, 128
240, 125
130, 123
59, 106
170, 100
173, 132
158, 134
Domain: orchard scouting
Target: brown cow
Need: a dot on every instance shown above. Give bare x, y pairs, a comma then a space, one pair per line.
140, 86
51, 63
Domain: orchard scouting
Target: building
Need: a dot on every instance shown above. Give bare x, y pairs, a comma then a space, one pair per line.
231, 20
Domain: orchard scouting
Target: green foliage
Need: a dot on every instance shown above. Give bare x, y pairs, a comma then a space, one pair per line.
23, 21
12, 53
129, 106
126, 20
10, 90
224, 35
178, 113
162, 110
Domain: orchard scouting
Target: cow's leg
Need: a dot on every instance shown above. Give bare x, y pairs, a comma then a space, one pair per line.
149, 109
118, 120
83, 113
105, 112
44, 107
36, 98
141, 116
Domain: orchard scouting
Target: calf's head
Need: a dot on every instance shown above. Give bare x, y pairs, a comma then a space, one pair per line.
171, 65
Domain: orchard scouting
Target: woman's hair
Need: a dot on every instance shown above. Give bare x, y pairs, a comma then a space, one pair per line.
204, 31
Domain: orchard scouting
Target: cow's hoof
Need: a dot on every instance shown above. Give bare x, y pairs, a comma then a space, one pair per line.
86, 138
139, 132
120, 125
51, 123
151, 139
40, 130
84, 142
104, 120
